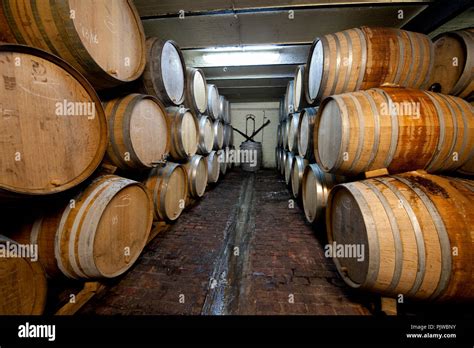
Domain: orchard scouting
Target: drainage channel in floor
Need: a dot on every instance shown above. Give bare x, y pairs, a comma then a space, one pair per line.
227, 282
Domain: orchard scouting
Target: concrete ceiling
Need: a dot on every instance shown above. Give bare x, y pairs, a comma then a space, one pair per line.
288, 26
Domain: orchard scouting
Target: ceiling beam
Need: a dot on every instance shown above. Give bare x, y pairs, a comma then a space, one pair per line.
252, 94
436, 15
249, 71
464, 20
251, 83
274, 27
165, 8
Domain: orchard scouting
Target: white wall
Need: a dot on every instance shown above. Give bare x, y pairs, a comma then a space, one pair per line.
268, 137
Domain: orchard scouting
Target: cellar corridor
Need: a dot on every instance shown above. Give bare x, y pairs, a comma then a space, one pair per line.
240, 250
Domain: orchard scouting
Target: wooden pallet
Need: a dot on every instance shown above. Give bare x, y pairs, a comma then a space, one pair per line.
92, 289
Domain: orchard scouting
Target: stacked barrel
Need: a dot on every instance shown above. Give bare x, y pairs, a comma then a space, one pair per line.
103, 134
377, 143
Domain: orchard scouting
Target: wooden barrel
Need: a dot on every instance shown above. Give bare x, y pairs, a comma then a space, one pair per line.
107, 47
168, 186
315, 189
227, 135
206, 135
359, 59
165, 72
299, 166
213, 104
184, 133
196, 169
294, 121
22, 283
279, 136
305, 132
284, 157
290, 158
196, 91
138, 132
213, 167
278, 158
223, 163
285, 128
227, 119
53, 128
282, 108
416, 232
289, 99
454, 63
222, 107
218, 130
468, 168
99, 234
299, 89
394, 128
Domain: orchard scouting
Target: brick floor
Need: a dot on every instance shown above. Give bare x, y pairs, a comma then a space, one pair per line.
194, 268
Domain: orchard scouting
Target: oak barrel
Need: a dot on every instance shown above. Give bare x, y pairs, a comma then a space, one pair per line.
299, 88
53, 129
206, 135
22, 283
285, 129
213, 167
289, 99
104, 43
468, 167
281, 109
305, 132
218, 130
299, 166
196, 91
138, 132
359, 59
278, 151
415, 231
227, 135
284, 157
454, 63
394, 128
213, 103
98, 234
279, 136
196, 169
184, 133
224, 107
294, 121
168, 185
290, 158
315, 189
165, 72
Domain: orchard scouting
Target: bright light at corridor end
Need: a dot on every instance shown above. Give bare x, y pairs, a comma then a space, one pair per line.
242, 55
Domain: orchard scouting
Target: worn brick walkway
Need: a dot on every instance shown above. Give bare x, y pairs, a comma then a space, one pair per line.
241, 250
